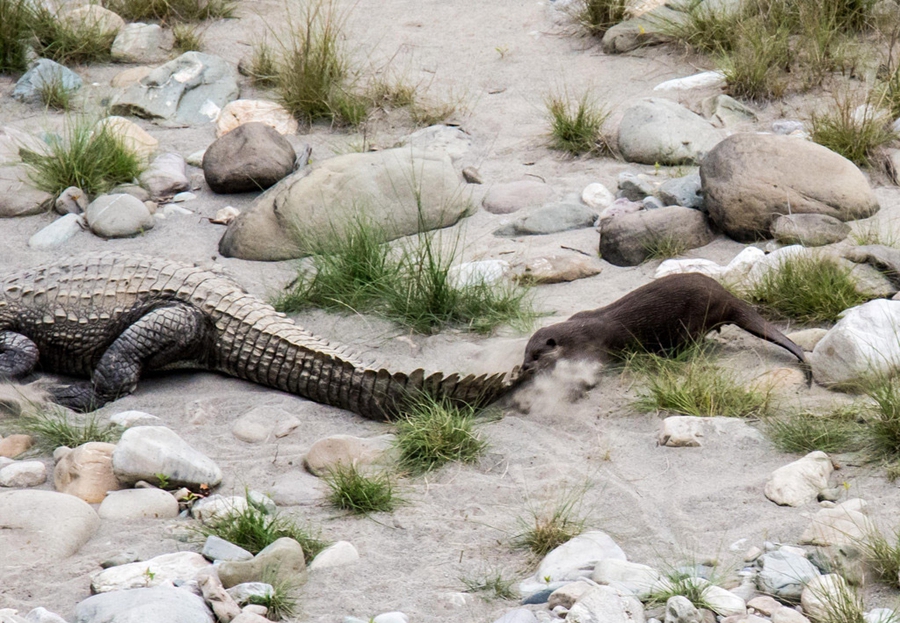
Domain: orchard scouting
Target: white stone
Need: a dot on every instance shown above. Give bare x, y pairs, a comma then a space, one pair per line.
823, 590
476, 273
42, 615
130, 419
723, 602
162, 570
597, 196
196, 158
882, 615
696, 81
23, 474
391, 617
239, 112
218, 506
225, 215
841, 525
680, 431
337, 554
183, 196
631, 576
43, 523
799, 482
129, 504
604, 604
788, 615
736, 271
862, 344
57, 232
145, 451
576, 558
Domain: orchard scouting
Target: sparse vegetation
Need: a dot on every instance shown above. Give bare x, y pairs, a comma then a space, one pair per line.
839, 430
433, 432
664, 247
853, 129
55, 427
281, 603
55, 95
90, 157
841, 605
172, 11
576, 128
254, 528
882, 554
412, 284
359, 493
871, 232
883, 428
490, 585
188, 37
807, 289
677, 581
15, 31
559, 521
598, 16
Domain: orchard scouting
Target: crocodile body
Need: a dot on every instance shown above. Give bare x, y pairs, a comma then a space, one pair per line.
111, 318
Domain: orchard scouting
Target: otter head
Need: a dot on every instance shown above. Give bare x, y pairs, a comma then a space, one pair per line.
544, 349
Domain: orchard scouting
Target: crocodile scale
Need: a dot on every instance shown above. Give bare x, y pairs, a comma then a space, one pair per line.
110, 317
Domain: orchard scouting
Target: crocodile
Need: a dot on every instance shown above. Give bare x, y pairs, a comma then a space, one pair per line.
111, 318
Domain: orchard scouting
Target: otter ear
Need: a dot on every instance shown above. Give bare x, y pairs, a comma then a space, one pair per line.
551, 343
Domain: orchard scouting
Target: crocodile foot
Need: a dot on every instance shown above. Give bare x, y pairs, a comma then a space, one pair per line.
78, 396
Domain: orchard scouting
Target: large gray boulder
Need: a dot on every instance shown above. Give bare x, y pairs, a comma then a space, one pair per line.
629, 239
401, 191
43, 523
161, 604
189, 90
17, 196
657, 130
44, 73
749, 179
253, 156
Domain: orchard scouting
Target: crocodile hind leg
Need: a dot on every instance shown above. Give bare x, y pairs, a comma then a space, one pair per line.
164, 336
18, 355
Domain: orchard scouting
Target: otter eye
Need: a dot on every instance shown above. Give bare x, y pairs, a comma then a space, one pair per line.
551, 343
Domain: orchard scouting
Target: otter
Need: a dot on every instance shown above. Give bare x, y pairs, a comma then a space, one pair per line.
659, 317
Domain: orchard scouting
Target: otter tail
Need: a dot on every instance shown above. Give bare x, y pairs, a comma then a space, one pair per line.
752, 322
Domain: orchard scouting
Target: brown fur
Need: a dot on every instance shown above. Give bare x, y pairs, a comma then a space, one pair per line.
663, 315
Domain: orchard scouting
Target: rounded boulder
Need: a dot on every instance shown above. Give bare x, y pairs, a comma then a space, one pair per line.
253, 156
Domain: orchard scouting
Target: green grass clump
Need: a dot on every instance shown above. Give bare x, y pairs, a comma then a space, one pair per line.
188, 38
254, 528
433, 432
807, 289
491, 585
755, 67
55, 95
544, 529
576, 128
15, 32
837, 431
598, 16
704, 28
412, 284
882, 554
697, 386
69, 42
281, 602
263, 66
857, 137
55, 427
679, 582
358, 493
664, 247
89, 157
883, 428
172, 11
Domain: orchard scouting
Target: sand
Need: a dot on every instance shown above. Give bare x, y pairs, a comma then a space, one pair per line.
662, 505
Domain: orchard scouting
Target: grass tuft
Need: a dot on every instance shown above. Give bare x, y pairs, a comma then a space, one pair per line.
358, 493
840, 430
577, 128
172, 11
808, 289
90, 157
852, 131
883, 428
15, 31
598, 16
55, 95
665, 246
281, 602
69, 42
188, 38
53, 428
842, 605
547, 528
491, 585
882, 554
253, 528
675, 582
433, 432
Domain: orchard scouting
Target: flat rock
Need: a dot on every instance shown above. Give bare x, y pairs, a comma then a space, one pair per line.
725, 111
131, 504
57, 233
441, 139
799, 482
130, 419
657, 130
862, 343
23, 474
788, 615
784, 574
272, 114
161, 604
687, 431
86, 472
702, 80
43, 524
118, 216
576, 559
624, 575
285, 555
17, 196
45, 72
810, 230
145, 451
629, 239
724, 602
165, 176
325, 454
216, 548
604, 604
12, 446
550, 219
749, 179
556, 268
403, 191
138, 43
218, 506
161, 570
251, 157
511, 197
